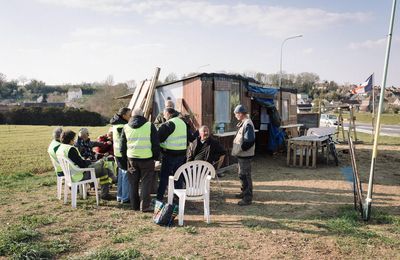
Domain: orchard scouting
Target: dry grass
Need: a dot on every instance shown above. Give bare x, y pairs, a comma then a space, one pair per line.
297, 213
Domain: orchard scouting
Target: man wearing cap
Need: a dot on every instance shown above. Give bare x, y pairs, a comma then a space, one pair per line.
243, 149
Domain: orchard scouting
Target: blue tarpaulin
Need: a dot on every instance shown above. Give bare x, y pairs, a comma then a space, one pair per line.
276, 135
270, 91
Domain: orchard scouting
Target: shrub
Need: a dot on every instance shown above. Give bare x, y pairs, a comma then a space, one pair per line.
52, 116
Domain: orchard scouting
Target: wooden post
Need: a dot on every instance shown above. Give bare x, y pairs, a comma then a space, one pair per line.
314, 153
354, 124
150, 96
294, 154
319, 112
301, 154
288, 153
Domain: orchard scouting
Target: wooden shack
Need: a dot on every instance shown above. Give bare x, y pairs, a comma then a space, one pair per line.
210, 99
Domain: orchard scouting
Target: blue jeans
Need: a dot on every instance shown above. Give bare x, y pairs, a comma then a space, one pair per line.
168, 168
123, 186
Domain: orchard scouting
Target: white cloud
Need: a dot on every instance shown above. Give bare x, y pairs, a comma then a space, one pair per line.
103, 32
308, 51
273, 21
368, 44
372, 44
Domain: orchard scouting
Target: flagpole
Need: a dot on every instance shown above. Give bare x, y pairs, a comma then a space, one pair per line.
368, 200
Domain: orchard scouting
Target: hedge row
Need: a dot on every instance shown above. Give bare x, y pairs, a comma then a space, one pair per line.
51, 116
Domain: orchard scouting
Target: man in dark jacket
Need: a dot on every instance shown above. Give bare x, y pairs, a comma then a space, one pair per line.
243, 149
205, 148
174, 137
139, 143
85, 145
160, 119
118, 121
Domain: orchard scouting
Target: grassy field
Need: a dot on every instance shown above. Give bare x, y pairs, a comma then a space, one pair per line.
386, 119
297, 213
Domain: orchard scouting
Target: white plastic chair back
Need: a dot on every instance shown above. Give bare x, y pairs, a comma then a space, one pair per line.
66, 164
60, 179
54, 163
195, 174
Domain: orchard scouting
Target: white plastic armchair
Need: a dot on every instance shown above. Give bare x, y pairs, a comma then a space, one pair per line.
197, 175
69, 168
60, 179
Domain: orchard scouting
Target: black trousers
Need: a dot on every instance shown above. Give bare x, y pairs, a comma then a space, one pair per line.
140, 170
245, 178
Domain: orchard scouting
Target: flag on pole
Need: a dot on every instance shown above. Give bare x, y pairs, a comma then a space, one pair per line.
364, 87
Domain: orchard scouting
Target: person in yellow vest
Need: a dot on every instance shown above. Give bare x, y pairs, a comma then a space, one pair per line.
118, 121
68, 150
160, 119
243, 149
53, 147
139, 143
174, 137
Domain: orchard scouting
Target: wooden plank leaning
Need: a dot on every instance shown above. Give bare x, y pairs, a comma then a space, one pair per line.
135, 96
150, 95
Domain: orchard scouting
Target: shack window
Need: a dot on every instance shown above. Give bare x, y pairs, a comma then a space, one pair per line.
285, 110
226, 98
222, 106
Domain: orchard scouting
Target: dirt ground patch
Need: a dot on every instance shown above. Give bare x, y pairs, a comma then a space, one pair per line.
297, 213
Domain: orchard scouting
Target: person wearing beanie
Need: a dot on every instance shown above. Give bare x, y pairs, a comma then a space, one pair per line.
243, 149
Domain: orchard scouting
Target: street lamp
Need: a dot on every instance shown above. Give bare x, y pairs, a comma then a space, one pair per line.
280, 72
280, 66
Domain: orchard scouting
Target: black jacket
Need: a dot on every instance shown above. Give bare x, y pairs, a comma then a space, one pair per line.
117, 120
211, 149
167, 129
136, 122
74, 156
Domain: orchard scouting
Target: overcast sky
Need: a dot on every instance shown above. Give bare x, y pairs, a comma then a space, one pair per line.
74, 41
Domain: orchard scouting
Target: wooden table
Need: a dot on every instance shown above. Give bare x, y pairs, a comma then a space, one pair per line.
305, 146
291, 130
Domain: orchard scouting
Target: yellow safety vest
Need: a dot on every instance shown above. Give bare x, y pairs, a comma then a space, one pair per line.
53, 147
178, 139
138, 141
117, 140
63, 150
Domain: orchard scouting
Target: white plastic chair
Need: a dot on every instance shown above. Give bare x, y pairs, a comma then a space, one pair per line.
60, 179
197, 176
69, 168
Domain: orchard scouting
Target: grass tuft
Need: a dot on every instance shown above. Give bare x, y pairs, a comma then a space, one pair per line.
110, 254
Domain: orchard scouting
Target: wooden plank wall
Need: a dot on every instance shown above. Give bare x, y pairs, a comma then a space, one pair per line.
207, 94
192, 95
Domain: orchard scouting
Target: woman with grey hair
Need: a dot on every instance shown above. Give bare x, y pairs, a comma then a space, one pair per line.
53, 147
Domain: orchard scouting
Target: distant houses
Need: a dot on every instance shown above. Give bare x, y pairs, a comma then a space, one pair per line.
74, 94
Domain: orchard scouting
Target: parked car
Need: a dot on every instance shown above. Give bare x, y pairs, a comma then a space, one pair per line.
327, 120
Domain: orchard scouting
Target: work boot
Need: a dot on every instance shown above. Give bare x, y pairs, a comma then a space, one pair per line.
107, 196
244, 202
105, 192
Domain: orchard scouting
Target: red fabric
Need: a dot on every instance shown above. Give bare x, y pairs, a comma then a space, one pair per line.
105, 148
